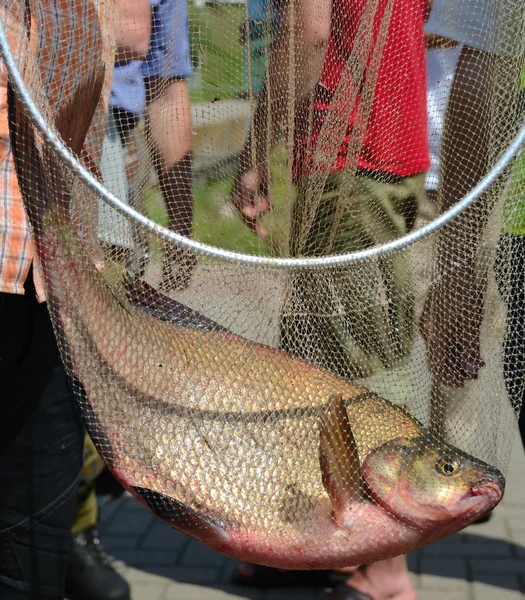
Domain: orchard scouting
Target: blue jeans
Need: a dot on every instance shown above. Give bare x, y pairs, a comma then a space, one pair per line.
41, 443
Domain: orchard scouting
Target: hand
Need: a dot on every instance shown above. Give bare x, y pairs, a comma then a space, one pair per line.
451, 325
250, 204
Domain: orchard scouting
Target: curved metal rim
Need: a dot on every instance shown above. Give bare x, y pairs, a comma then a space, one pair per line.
226, 255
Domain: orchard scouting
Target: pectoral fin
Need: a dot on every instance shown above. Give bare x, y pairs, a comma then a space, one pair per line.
339, 458
183, 517
150, 300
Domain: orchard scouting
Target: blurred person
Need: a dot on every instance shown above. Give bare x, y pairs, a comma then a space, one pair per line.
169, 128
152, 85
255, 35
382, 204
41, 431
90, 573
442, 57
124, 165
510, 275
479, 123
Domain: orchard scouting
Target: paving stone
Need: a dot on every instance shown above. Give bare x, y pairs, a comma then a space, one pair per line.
148, 591
455, 568
129, 503
516, 524
227, 571
131, 522
197, 554
438, 594
146, 558
497, 565
501, 588
119, 542
184, 591
485, 548
511, 511
495, 528
162, 537
513, 497
414, 561
135, 575
415, 579
200, 575
509, 582
518, 537
108, 511
436, 582
457, 538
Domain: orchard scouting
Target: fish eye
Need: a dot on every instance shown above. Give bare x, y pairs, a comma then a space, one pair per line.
447, 465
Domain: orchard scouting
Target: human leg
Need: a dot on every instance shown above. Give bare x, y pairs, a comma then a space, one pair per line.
90, 574
510, 273
40, 454
334, 319
383, 580
169, 136
360, 337
169, 128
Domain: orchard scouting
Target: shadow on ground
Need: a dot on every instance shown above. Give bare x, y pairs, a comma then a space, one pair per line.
149, 547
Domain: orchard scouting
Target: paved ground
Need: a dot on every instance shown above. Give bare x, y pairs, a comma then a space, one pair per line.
486, 562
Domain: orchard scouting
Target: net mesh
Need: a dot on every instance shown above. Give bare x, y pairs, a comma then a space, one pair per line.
306, 417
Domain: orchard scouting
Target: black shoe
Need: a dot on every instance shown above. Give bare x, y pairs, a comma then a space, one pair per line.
90, 574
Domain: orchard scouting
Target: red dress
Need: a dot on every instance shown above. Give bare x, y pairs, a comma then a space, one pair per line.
395, 134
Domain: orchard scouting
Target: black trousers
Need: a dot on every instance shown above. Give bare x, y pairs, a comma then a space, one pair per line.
41, 444
510, 274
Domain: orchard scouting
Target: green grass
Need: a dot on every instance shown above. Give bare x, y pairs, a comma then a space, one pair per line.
217, 55
216, 223
514, 207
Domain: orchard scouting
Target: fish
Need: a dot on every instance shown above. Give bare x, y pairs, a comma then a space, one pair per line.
256, 453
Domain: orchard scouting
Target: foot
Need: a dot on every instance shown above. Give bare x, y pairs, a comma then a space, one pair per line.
90, 574
344, 592
177, 270
375, 586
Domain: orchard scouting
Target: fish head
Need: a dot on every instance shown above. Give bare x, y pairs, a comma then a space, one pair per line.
431, 485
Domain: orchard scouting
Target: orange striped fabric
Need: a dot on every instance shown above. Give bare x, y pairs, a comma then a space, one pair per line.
64, 38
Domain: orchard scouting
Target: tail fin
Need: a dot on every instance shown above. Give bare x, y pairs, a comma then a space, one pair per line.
38, 171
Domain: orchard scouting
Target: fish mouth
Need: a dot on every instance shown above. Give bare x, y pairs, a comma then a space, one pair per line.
486, 494
490, 485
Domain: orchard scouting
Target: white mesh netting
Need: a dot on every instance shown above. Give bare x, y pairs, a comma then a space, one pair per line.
294, 414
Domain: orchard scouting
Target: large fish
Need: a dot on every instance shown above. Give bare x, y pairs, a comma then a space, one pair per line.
259, 455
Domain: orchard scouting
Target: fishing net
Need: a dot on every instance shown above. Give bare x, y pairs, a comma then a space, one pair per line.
280, 325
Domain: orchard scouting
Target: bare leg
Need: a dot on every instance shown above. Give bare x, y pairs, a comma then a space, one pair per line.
384, 580
169, 135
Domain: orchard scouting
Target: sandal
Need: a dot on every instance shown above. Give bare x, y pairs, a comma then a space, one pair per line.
345, 592
267, 577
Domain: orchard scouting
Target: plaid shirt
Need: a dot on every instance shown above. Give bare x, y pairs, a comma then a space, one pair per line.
87, 26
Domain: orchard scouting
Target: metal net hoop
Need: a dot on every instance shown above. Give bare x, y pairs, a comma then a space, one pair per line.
79, 170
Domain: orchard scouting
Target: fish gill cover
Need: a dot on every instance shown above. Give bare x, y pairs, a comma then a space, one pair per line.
294, 414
